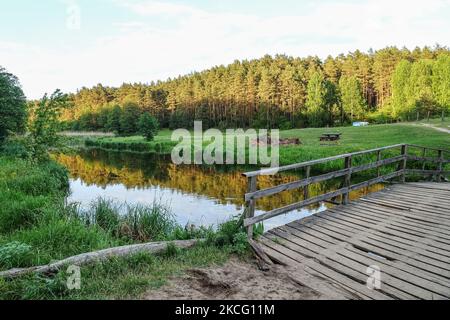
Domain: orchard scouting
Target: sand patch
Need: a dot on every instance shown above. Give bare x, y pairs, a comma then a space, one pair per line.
236, 280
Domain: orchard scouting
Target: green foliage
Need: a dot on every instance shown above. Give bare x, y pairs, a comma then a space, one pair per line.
14, 254
319, 100
270, 92
13, 112
421, 88
353, 104
113, 119
45, 124
129, 119
148, 126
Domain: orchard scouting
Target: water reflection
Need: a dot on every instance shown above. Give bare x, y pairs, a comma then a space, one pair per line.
202, 195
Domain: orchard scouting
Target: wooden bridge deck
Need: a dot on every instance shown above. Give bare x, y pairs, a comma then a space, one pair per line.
403, 230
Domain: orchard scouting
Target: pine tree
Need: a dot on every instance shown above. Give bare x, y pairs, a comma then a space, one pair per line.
351, 98
316, 100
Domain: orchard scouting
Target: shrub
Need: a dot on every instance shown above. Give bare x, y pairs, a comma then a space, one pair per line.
20, 210
14, 254
148, 126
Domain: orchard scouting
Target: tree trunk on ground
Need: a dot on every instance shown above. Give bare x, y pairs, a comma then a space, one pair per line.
102, 255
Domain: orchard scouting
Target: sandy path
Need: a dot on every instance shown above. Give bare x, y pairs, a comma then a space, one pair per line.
436, 128
236, 280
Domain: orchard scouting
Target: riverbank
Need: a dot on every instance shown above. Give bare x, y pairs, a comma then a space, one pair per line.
353, 139
37, 227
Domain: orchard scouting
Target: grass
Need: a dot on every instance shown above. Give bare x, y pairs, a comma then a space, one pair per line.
353, 139
117, 278
437, 122
37, 227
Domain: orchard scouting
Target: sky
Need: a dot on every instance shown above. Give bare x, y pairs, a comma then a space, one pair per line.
69, 44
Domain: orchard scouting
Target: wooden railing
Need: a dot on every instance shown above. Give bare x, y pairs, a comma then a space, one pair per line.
253, 194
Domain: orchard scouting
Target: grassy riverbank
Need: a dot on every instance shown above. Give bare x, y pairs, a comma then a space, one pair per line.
353, 139
37, 227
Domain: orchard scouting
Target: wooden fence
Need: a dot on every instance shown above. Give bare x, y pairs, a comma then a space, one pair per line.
402, 159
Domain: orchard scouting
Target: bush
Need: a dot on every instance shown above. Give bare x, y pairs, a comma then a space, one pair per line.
14, 254
20, 210
16, 148
148, 126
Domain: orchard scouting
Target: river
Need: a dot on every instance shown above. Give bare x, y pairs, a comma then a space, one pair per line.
199, 195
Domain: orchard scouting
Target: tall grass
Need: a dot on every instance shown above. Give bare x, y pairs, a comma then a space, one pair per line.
141, 223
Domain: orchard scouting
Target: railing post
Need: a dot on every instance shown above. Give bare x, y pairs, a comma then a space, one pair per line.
348, 177
306, 188
378, 160
423, 156
403, 163
250, 205
440, 166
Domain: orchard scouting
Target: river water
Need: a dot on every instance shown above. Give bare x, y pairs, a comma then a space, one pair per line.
199, 195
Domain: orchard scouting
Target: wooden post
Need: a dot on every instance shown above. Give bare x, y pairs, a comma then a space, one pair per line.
306, 188
441, 159
378, 159
403, 163
250, 205
347, 183
424, 155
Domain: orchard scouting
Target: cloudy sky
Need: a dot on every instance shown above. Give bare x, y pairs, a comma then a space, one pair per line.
69, 44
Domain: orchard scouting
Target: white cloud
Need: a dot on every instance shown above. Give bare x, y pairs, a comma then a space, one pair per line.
193, 39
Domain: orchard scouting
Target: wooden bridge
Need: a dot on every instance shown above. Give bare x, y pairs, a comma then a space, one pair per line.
391, 244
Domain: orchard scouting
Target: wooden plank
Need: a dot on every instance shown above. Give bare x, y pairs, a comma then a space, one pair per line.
411, 269
351, 266
437, 186
396, 224
341, 279
379, 234
393, 243
399, 227
338, 230
415, 204
413, 218
382, 231
401, 280
413, 211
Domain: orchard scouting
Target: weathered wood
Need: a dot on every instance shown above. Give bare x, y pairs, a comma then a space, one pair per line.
250, 206
403, 164
306, 188
391, 229
428, 159
347, 181
378, 160
301, 204
102, 255
316, 179
318, 161
253, 194
440, 164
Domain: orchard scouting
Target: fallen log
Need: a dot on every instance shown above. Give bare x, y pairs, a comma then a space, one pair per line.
101, 255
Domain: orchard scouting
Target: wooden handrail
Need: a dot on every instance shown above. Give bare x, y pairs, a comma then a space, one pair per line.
314, 162
253, 194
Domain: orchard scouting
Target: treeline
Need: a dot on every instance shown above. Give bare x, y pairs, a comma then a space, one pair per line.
282, 91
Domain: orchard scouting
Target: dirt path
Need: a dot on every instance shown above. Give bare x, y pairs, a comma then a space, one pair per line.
236, 280
436, 128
